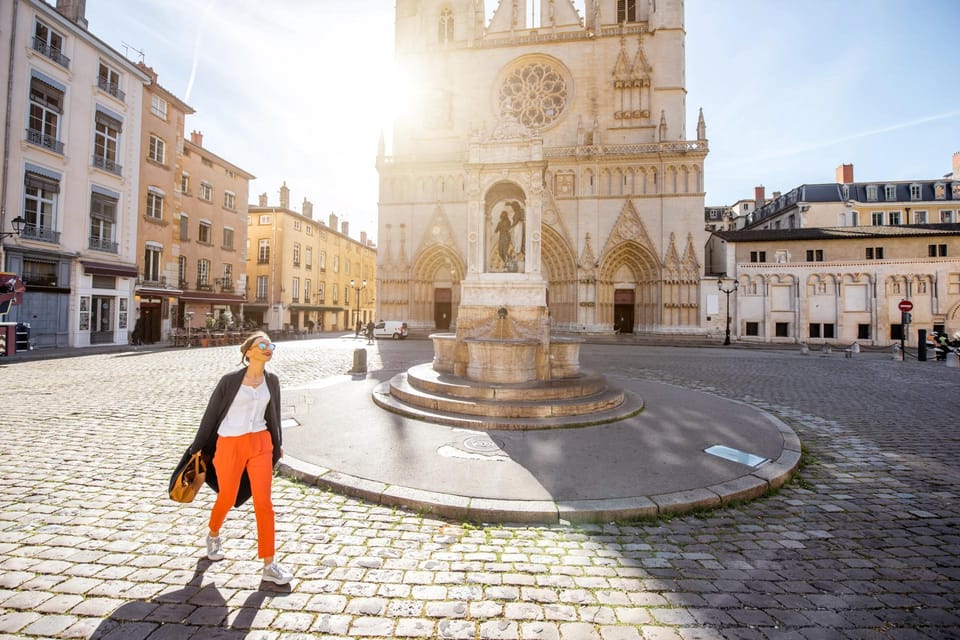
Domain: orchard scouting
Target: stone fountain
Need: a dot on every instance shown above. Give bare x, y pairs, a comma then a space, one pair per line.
501, 368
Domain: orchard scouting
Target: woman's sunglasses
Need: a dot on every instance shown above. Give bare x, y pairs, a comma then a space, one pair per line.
263, 346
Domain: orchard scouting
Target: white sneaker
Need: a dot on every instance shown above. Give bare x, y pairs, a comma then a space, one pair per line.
276, 574
213, 548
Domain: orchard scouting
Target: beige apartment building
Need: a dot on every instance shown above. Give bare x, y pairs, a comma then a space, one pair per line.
306, 275
161, 138
831, 262
210, 237
192, 226
573, 125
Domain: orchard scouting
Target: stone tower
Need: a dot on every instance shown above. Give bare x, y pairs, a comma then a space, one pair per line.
544, 155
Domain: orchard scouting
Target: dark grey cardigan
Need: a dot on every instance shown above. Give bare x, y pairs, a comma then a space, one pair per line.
217, 407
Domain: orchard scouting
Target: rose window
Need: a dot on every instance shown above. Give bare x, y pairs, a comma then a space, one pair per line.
534, 95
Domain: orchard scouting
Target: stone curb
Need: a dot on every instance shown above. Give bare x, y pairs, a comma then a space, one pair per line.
761, 481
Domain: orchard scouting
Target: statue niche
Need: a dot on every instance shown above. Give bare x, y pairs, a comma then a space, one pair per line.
506, 236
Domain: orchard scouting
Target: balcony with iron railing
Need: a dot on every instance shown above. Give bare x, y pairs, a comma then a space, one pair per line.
44, 140
51, 52
101, 162
102, 244
261, 299
112, 88
43, 234
159, 282
225, 285
203, 285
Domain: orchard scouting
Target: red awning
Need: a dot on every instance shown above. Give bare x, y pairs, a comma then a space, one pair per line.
108, 269
209, 296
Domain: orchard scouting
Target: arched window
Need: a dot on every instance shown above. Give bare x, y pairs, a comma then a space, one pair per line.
446, 26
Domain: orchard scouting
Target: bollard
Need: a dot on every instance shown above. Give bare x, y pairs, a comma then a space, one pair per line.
804, 349
922, 345
953, 361
359, 361
897, 353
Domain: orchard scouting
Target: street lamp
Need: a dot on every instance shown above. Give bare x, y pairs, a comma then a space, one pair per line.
363, 285
728, 292
17, 223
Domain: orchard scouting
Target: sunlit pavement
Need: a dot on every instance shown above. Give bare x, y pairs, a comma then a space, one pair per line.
865, 543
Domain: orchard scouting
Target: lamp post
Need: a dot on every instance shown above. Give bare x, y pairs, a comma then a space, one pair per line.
733, 288
363, 285
18, 224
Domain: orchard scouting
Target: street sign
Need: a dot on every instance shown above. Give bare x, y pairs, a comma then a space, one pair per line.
905, 305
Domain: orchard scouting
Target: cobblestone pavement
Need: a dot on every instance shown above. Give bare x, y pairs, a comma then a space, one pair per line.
864, 543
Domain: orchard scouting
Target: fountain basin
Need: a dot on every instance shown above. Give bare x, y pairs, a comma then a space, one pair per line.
565, 357
444, 351
506, 360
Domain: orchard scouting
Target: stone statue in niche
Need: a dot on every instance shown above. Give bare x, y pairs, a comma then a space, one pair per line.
509, 236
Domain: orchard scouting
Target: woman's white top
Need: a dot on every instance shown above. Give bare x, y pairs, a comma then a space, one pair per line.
246, 412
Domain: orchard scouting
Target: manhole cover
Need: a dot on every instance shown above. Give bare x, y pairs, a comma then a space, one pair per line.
481, 444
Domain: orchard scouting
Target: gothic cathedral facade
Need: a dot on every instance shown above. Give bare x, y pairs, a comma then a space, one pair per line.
565, 135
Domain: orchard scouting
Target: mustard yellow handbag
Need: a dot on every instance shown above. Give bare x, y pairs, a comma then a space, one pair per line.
187, 483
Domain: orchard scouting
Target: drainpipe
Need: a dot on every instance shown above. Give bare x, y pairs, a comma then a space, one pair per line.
6, 128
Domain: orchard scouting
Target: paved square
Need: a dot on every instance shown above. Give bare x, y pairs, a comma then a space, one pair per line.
865, 543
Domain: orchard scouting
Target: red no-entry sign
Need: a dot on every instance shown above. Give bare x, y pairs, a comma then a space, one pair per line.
905, 305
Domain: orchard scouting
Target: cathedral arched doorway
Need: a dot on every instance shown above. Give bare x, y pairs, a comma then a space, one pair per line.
628, 288
435, 288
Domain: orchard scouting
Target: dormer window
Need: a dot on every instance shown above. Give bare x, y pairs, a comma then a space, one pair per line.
872, 193
446, 26
940, 191
845, 191
890, 192
915, 191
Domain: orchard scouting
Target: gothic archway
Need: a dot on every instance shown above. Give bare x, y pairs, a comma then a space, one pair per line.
436, 270
644, 269
560, 272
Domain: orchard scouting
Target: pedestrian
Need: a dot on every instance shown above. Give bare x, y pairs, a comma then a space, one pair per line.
359, 327
240, 430
370, 328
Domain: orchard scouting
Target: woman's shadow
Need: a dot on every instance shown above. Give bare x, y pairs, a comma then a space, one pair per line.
187, 611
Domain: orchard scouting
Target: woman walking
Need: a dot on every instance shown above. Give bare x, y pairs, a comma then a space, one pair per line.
240, 429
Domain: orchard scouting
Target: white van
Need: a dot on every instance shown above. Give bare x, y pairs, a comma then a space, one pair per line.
390, 329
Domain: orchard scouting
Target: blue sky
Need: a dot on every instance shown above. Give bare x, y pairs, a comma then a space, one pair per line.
299, 90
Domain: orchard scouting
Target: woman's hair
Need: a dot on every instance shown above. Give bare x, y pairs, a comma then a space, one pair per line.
248, 342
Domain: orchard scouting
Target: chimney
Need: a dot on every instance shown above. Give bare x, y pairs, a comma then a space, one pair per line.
333, 221
196, 137
363, 238
284, 196
759, 196
74, 11
263, 199
956, 165
307, 208
845, 174
149, 71
776, 194
345, 228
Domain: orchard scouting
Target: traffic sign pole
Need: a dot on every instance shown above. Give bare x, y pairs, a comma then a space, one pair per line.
905, 307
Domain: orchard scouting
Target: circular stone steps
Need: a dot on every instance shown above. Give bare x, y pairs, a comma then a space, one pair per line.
424, 394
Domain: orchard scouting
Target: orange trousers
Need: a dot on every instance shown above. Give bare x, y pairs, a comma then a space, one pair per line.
253, 452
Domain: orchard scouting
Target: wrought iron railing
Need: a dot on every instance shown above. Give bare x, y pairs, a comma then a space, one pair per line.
44, 140
43, 234
107, 165
101, 244
51, 52
224, 284
159, 281
112, 88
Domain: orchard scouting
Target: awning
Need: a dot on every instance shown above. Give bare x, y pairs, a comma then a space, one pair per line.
209, 296
107, 269
313, 307
158, 291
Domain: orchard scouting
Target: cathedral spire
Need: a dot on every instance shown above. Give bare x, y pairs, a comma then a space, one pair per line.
701, 127
663, 126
